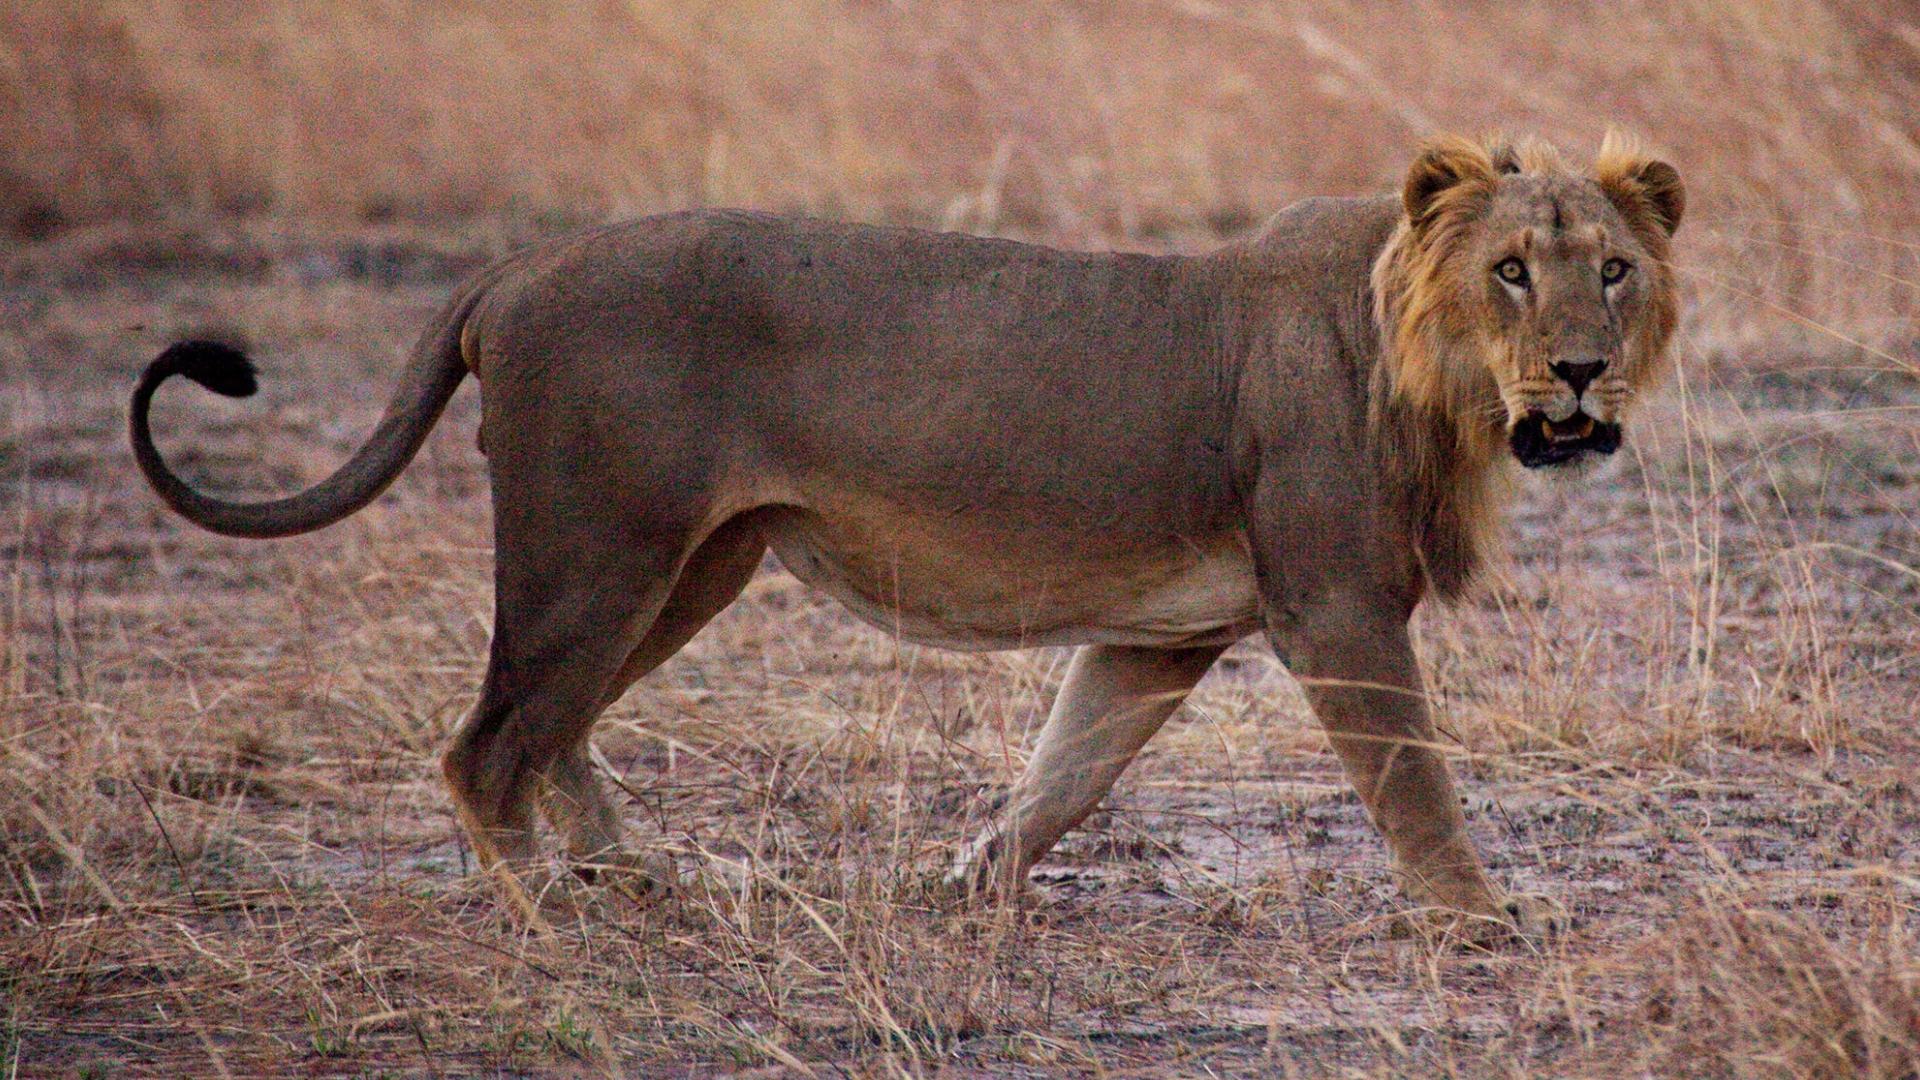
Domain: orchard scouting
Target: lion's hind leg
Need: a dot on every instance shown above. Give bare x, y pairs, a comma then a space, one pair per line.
1113, 699
574, 596
535, 709
576, 802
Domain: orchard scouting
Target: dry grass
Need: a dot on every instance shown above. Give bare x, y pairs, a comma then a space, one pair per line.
1685, 707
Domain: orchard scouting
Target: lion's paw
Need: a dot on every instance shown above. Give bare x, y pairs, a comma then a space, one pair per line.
1523, 920
642, 878
976, 878
1536, 918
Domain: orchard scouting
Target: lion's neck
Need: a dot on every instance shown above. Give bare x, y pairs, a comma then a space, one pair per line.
1442, 467
1442, 484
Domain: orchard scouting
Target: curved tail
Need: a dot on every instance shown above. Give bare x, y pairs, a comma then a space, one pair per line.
432, 374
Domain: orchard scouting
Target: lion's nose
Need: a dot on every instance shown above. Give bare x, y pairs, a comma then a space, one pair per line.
1580, 374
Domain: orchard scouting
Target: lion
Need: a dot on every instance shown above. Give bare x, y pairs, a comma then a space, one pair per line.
981, 444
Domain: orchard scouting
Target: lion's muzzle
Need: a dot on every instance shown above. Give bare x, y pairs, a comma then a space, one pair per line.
1538, 440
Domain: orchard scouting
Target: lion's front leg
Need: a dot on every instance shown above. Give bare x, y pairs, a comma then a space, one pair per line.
1113, 699
1357, 666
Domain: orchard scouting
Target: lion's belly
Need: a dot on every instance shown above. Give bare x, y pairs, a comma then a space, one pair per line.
936, 587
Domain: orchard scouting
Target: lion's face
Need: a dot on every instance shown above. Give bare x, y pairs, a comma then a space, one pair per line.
1565, 292
1530, 302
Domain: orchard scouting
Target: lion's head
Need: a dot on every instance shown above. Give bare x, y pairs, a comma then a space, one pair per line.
1526, 302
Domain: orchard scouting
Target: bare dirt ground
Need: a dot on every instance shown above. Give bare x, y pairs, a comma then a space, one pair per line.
1685, 707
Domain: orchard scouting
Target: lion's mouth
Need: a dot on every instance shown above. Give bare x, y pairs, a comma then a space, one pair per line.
1538, 441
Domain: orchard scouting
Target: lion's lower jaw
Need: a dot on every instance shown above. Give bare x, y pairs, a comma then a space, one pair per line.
1539, 442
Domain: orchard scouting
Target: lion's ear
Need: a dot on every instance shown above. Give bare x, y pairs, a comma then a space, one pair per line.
1637, 184
1444, 163
1666, 195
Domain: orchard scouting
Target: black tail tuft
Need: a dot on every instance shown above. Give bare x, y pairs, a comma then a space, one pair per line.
219, 367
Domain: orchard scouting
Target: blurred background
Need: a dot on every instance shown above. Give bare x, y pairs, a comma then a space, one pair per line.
1143, 124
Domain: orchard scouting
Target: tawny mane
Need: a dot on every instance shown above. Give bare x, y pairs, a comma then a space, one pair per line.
1437, 416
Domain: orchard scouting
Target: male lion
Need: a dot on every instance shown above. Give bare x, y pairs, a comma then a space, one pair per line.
981, 444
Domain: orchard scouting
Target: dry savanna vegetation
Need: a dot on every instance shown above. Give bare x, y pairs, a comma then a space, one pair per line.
1685, 704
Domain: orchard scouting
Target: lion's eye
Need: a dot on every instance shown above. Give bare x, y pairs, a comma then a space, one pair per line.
1512, 271
1614, 271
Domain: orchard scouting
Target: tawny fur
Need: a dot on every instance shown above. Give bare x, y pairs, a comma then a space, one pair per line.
981, 444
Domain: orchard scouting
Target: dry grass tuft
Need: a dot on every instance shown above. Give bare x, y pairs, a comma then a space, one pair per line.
1756, 993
